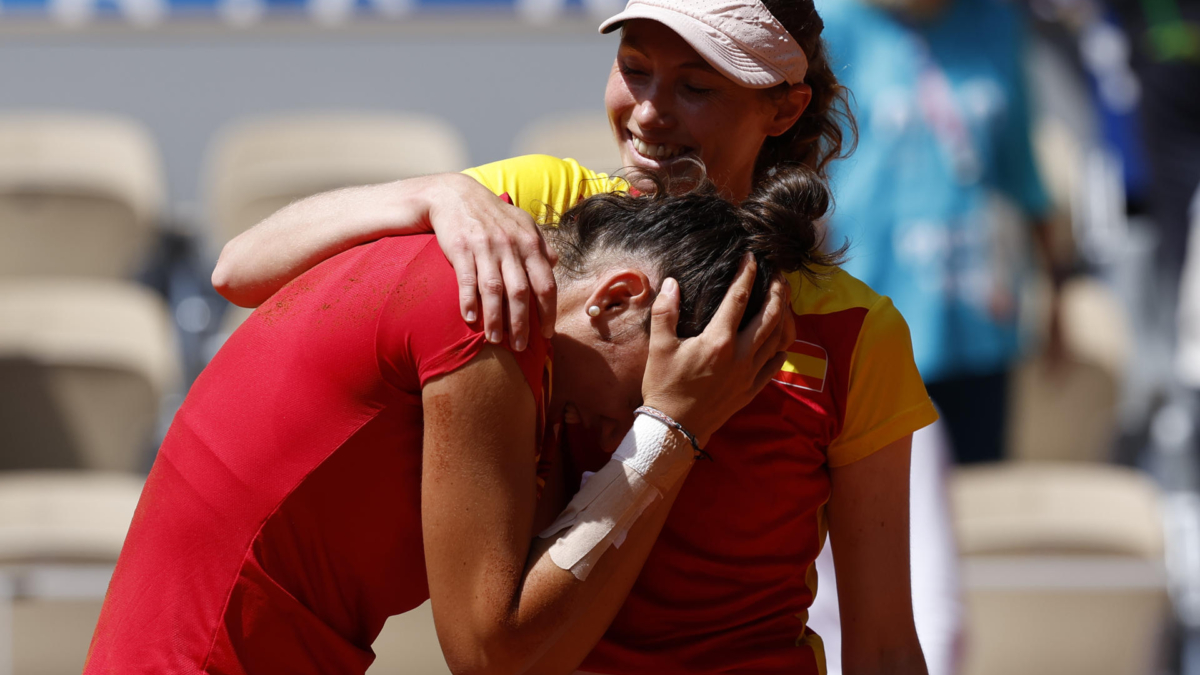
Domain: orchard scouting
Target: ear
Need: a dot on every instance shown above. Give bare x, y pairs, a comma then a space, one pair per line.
622, 295
789, 108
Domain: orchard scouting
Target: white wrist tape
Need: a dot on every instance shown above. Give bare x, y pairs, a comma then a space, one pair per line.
661, 454
648, 463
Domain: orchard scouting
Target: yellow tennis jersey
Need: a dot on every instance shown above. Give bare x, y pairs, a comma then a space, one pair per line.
729, 582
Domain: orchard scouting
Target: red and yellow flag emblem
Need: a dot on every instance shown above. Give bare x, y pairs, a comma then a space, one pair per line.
805, 366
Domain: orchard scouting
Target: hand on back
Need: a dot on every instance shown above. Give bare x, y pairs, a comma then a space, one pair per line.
502, 262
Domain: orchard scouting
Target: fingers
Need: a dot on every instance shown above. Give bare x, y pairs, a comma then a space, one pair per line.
526, 273
789, 327
491, 294
516, 286
763, 331
540, 268
768, 371
463, 261
777, 312
733, 306
502, 263
664, 317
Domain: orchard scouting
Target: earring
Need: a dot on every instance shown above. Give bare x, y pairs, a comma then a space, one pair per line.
594, 310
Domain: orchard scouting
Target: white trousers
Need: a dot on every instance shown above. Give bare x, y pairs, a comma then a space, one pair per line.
1188, 355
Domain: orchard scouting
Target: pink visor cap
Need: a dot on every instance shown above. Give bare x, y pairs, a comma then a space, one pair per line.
740, 38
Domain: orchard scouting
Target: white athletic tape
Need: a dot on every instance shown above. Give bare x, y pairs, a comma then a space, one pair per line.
661, 454
599, 515
646, 466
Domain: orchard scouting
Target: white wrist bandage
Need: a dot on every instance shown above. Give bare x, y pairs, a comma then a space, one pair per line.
651, 459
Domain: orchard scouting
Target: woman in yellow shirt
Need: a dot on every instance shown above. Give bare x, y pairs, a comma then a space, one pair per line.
743, 86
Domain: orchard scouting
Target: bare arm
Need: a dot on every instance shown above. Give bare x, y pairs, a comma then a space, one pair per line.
496, 249
868, 529
497, 615
260, 261
493, 613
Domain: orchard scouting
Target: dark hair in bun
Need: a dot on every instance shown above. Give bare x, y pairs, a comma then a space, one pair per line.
698, 237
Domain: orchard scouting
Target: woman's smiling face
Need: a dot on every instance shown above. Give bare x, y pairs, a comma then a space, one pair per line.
667, 104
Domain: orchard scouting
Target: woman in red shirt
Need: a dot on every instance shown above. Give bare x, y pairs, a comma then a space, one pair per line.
355, 448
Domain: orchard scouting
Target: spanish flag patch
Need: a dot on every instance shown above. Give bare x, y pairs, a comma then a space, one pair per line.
805, 367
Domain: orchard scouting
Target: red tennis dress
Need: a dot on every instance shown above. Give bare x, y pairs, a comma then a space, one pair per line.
281, 523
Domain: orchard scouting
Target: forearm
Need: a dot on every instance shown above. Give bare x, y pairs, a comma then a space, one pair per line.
550, 619
586, 607
868, 516
260, 261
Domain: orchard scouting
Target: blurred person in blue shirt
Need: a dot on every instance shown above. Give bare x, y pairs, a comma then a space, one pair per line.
942, 188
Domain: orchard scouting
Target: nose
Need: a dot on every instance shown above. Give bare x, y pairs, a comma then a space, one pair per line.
654, 110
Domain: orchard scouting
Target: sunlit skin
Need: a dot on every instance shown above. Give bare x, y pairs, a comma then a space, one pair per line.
662, 93
599, 361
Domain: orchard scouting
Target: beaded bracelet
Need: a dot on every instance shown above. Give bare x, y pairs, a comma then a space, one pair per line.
667, 420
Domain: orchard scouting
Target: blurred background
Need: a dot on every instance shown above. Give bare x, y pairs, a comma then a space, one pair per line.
138, 136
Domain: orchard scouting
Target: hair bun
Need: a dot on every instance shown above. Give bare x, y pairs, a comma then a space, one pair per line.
782, 216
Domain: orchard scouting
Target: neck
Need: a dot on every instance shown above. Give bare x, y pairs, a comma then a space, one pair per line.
736, 188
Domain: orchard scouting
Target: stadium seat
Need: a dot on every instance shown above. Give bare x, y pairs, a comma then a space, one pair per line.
585, 137
60, 535
1068, 411
65, 516
1062, 567
257, 167
79, 195
408, 645
83, 367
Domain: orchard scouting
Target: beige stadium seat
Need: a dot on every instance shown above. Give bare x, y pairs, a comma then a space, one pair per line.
585, 137
260, 166
65, 516
1069, 412
83, 367
1065, 412
408, 645
60, 535
1062, 567
79, 194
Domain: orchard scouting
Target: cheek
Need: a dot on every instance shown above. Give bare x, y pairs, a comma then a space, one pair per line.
733, 126
617, 98
633, 370
727, 138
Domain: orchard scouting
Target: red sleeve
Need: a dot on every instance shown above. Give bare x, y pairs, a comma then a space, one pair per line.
422, 335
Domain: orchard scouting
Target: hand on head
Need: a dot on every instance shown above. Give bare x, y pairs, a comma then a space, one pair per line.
702, 381
713, 336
